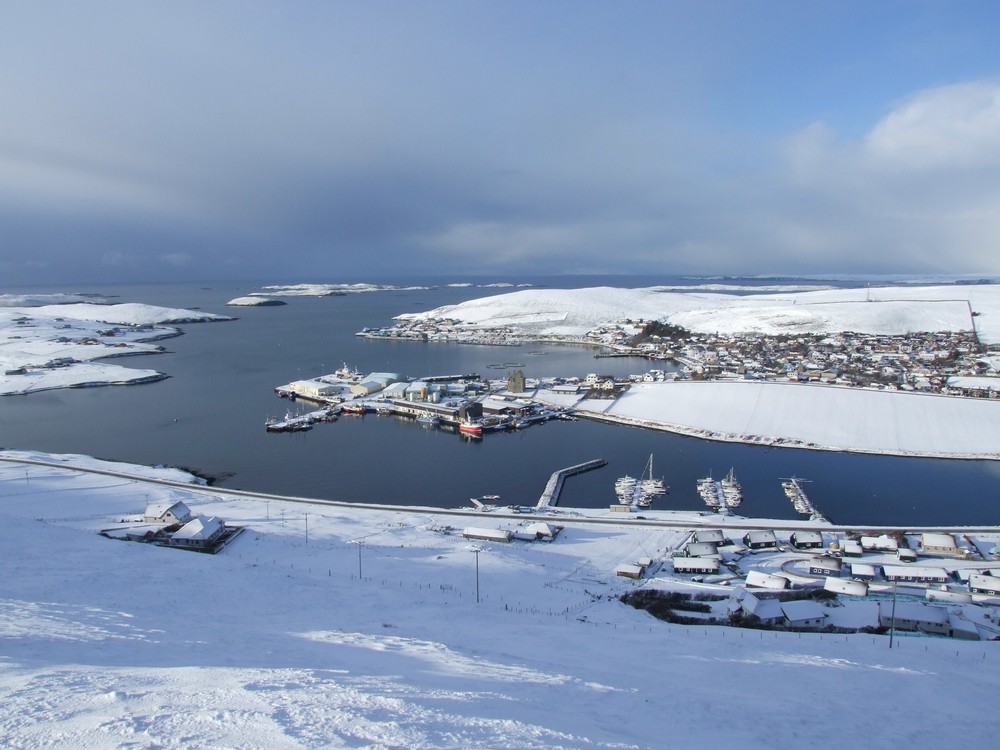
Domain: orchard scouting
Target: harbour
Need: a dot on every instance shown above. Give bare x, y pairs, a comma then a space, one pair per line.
208, 415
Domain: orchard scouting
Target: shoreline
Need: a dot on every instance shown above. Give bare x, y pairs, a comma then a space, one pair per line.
671, 519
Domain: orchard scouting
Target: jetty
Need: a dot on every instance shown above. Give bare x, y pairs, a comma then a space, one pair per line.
800, 501
550, 497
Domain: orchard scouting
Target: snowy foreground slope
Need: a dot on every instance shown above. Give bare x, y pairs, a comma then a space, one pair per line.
277, 643
889, 310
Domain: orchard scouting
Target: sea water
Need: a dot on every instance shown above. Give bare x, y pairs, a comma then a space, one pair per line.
210, 414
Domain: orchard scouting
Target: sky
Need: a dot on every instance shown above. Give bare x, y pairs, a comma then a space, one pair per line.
176, 141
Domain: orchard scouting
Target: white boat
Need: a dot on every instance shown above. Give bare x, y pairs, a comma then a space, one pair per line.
732, 492
640, 492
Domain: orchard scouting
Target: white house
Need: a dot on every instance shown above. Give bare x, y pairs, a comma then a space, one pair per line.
699, 565
766, 580
803, 614
844, 586
167, 512
914, 574
768, 611
882, 543
980, 584
916, 616
939, 544
201, 532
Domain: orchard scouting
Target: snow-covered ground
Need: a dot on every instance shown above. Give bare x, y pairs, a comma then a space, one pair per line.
808, 416
278, 643
60, 345
890, 310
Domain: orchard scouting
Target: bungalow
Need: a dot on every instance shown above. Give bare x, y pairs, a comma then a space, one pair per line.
842, 586
167, 513
852, 548
939, 544
863, 572
760, 539
704, 565
803, 614
917, 617
768, 611
914, 574
906, 555
702, 549
882, 543
806, 539
709, 536
766, 580
824, 566
201, 532
980, 584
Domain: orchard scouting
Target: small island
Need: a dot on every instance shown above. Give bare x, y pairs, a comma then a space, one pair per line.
255, 302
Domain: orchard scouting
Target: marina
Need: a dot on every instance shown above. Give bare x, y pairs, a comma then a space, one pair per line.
800, 500
721, 495
218, 370
639, 492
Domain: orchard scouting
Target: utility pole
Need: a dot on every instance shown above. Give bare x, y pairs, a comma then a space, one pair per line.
892, 625
477, 550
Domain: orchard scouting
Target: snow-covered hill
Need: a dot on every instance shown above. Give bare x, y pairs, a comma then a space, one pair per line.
277, 643
890, 310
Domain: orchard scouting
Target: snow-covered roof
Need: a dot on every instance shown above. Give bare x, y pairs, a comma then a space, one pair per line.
159, 509
808, 537
765, 580
765, 609
914, 571
805, 609
825, 563
931, 539
199, 528
864, 569
916, 611
843, 586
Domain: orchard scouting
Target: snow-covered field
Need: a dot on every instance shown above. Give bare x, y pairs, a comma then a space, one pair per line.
889, 310
810, 416
277, 643
59, 345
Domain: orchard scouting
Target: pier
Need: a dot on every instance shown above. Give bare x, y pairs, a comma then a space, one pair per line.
550, 497
800, 501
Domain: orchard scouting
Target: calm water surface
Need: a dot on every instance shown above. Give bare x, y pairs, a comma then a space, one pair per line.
209, 415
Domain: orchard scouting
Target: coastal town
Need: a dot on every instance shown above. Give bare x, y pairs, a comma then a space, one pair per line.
948, 362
